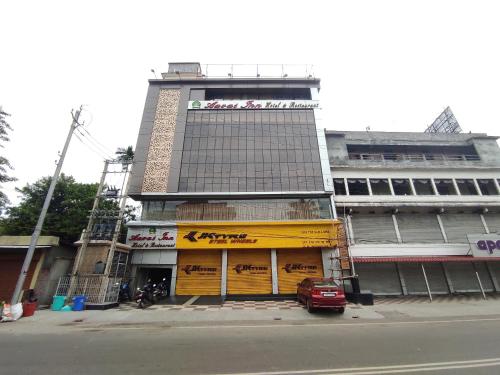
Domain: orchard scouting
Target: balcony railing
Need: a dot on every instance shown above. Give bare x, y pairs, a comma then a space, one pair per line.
387, 156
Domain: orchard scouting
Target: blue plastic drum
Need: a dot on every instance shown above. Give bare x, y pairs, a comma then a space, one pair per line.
79, 303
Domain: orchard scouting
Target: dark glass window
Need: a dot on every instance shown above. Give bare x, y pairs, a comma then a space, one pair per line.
380, 186
339, 186
487, 186
466, 187
358, 186
423, 186
445, 187
401, 186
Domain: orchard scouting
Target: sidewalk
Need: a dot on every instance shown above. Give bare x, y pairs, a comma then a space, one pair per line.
256, 313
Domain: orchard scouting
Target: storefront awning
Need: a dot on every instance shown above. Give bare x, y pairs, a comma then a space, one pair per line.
427, 259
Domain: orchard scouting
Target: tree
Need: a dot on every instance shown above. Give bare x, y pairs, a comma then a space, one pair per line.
4, 162
125, 155
68, 211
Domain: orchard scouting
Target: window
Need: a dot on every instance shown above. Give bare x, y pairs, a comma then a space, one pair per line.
401, 186
380, 186
487, 187
423, 186
466, 186
445, 187
357, 186
339, 186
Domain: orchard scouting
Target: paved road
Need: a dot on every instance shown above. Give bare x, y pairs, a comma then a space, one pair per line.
453, 346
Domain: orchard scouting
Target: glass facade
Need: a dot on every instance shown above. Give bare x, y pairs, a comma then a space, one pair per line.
250, 151
238, 210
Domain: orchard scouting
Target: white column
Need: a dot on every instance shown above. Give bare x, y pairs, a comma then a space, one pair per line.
334, 209
390, 186
433, 184
396, 228
412, 187
369, 186
441, 226
477, 187
223, 280
349, 228
455, 185
497, 185
487, 230
173, 280
346, 187
274, 271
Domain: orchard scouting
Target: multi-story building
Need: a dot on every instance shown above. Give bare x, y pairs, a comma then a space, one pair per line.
423, 209
234, 181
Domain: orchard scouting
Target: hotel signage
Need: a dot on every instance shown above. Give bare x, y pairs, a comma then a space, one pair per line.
484, 245
151, 237
252, 104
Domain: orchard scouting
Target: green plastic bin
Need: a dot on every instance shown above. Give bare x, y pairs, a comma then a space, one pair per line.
58, 303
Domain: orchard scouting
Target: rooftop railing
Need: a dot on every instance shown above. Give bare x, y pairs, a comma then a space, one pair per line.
258, 71
387, 156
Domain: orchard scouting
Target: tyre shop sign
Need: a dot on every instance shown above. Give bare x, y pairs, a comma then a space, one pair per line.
151, 237
484, 245
253, 104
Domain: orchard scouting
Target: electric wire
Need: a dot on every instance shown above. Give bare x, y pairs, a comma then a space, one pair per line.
103, 147
90, 148
95, 144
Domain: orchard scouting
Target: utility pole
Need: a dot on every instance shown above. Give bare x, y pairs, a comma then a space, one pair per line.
38, 229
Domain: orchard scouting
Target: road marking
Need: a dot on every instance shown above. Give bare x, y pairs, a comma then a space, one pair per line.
144, 326
393, 369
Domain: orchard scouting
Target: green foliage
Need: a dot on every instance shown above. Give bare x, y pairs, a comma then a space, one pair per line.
125, 155
68, 211
4, 162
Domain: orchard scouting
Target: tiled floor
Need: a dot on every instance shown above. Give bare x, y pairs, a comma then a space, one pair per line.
435, 299
228, 305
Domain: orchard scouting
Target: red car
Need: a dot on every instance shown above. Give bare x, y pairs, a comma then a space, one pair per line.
321, 293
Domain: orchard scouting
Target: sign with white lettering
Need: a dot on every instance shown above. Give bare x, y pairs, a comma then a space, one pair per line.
151, 237
484, 245
253, 104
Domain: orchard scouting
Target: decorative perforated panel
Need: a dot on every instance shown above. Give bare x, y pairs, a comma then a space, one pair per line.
160, 147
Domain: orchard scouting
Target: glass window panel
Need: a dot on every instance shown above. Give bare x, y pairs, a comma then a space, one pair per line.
466, 186
445, 187
423, 186
487, 186
380, 186
357, 186
401, 186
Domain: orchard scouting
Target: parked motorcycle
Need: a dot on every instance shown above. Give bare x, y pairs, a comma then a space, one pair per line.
124, 293
146, 296
163, 288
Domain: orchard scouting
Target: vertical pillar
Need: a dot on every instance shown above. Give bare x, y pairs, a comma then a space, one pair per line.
173, 280
349, 228
401, 280
391, 188
346, 186
434, 188
455, 185
412, 187
486, 229
448, 278
493, 278
497, 184
223, 279
477, 187
274, 271
396, 228
369, 185
441, 226
426, 282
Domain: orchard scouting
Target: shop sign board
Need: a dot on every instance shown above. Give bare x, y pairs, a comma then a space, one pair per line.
252, 104
257, 235
484, 245
151, 237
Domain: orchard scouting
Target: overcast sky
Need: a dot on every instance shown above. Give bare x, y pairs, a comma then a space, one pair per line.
390, 65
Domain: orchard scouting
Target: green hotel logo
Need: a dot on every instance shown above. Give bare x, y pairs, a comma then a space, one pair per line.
196, 104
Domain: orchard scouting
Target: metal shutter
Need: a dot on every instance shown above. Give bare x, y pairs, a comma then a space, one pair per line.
456, 226
463, 276
294, 265
485, 277
413, 278
373, 229
493, 222
199, 272
436, 278
495, 271
249, 272
419, 228
379, 278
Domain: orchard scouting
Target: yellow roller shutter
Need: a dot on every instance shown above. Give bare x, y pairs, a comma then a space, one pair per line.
198, 272
249, 272
295, 265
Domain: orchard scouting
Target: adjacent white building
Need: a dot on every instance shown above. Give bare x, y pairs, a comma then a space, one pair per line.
410, 201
